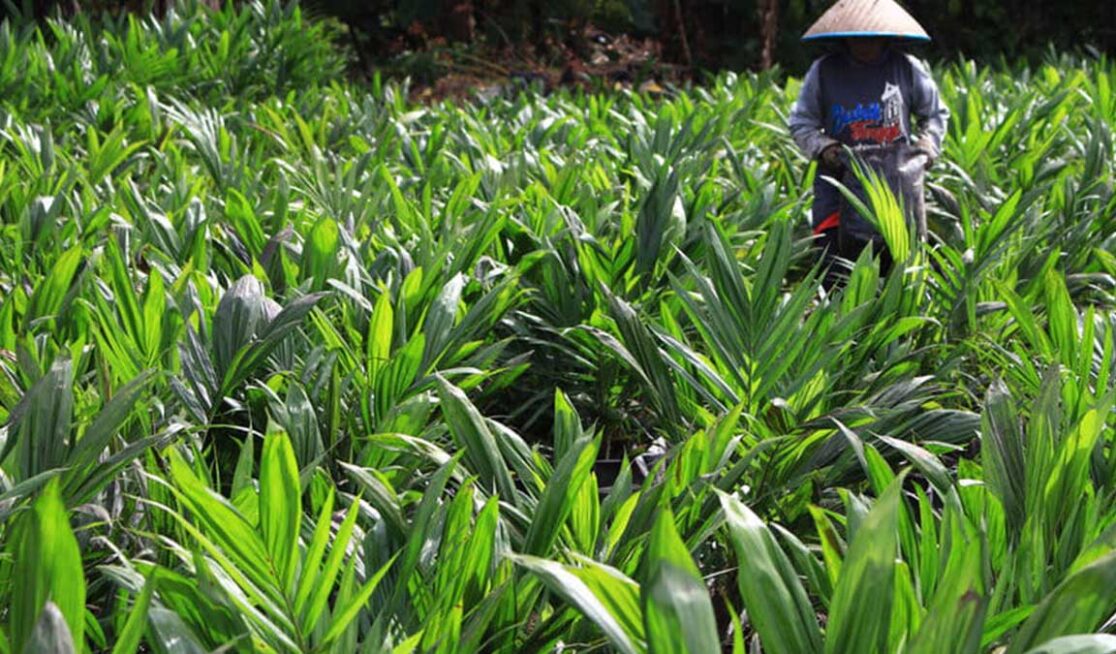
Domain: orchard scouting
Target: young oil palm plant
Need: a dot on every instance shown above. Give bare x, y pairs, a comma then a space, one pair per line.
289, 363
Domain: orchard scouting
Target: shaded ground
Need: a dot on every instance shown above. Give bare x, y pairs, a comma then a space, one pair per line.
591, 59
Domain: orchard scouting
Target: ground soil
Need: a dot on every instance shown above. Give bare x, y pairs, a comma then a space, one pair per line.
590, 58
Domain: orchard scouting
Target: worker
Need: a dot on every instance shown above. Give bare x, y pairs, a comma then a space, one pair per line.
863, 96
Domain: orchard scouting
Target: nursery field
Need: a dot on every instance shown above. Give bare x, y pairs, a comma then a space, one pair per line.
290, 364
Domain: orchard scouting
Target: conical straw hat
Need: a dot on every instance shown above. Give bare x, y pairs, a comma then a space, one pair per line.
866, 18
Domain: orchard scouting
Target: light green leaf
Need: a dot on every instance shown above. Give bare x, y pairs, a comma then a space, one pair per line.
677, 611
50, 294
128, 641
346, 614
319, 253
777, 604
559, 496
1078, 605
472, 434
319, 596
867, 579
46, 569
608, 599
280, 504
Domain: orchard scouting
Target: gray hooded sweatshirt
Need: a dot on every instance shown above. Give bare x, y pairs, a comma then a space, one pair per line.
845, 101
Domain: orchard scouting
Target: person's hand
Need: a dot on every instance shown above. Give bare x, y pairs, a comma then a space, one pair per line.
927, 147
830, 157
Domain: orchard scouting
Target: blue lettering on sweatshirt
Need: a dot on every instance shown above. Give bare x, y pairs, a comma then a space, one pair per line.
842, 117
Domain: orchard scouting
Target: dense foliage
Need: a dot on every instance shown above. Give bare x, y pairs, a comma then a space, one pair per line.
288, 364
730, 34
710, 35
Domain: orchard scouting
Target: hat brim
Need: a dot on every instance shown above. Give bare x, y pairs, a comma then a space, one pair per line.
866, 35
851, 19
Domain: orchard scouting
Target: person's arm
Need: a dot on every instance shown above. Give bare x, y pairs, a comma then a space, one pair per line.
932, 114
807, 119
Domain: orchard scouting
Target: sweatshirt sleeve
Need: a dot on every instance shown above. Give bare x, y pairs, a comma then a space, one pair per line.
932, 114
807, 119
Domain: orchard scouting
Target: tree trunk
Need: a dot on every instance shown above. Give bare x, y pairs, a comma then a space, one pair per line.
769, 32
671, 19
687, 56
457, 21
